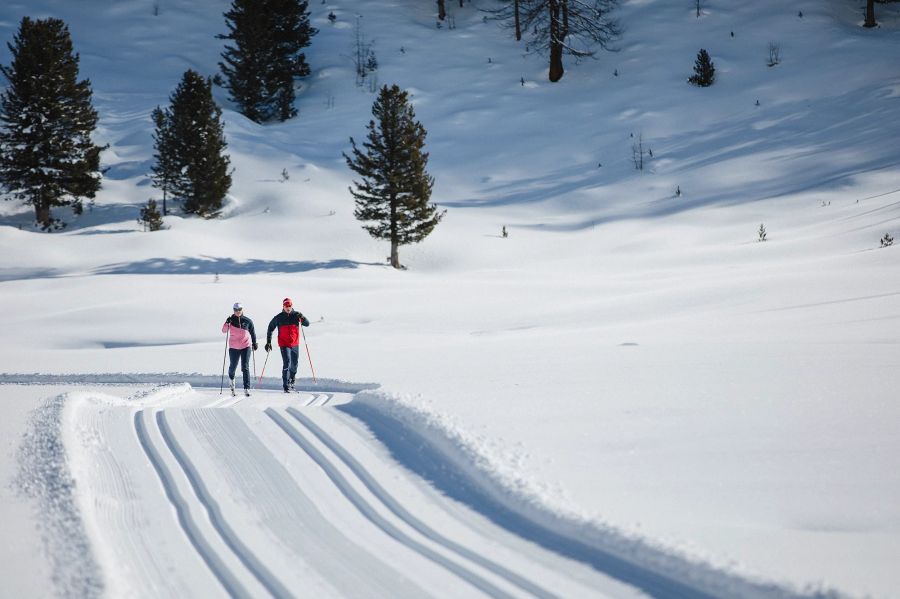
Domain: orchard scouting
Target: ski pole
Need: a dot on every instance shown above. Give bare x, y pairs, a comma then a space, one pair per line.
263, 373
222, 387
253, 354
309, 357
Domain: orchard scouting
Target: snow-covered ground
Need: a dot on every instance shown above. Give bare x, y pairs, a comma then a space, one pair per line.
630, 369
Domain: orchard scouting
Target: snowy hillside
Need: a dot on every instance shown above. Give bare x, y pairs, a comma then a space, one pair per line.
629, 394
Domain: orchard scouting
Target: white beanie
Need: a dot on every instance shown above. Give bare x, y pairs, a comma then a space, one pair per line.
237, 306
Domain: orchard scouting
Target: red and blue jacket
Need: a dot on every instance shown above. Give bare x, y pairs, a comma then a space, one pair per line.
288, 324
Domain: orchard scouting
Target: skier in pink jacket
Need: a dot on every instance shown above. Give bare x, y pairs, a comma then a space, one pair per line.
242, 339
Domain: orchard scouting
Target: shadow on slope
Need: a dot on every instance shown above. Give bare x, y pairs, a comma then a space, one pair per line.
758, 153
213, 265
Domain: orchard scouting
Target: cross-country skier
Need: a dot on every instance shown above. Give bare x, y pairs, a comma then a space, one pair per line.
242, 339
288, 322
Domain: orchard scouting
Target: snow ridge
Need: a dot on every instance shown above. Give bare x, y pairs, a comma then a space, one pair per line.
168, 378
44, 476
458, 464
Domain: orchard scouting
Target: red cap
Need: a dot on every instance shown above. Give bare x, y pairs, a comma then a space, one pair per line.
287, 302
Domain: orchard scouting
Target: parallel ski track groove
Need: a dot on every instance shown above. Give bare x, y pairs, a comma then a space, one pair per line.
397, 508
367, 510
225, 577
241, 551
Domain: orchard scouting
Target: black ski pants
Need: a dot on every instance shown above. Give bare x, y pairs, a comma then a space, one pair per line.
244, 355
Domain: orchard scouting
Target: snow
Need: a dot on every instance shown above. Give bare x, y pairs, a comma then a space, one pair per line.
629, 369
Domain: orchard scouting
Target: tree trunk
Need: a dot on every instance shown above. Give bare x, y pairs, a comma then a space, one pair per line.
870, 14
395, 242
518, 25
42, 212
442, 10
556, 41
395, 253
556, 64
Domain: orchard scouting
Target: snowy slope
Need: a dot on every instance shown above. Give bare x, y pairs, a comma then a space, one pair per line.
629, 362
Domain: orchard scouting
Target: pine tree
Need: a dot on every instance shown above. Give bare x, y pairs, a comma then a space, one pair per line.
393, 198
150, 216
167, 168
47, 157
704, 70
192, 160
269, 37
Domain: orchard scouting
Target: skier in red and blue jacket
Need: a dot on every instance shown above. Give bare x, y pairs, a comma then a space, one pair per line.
288, 323
242, 338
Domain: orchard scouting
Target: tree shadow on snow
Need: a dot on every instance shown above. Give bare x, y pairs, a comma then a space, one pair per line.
210, 265
763, 153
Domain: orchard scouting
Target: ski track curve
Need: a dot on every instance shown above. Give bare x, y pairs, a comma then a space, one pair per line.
294, 495
366, 509
397, 508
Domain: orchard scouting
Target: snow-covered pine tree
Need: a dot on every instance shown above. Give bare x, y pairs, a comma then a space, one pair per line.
393, 198
196, 155
47, 157
704, 70
267, 55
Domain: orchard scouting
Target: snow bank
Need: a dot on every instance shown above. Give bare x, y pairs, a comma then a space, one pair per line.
45, 477
473, 471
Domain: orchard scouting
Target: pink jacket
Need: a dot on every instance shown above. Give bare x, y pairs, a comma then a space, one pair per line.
242, 336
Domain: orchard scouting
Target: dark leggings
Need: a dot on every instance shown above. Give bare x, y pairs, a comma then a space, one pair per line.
244, 355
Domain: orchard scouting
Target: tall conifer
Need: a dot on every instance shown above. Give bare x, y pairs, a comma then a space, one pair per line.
47, 157
267, 55
393, 198
191, 160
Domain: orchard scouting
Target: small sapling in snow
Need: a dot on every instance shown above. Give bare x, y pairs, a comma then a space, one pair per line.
704, 70
774, 54
150, 218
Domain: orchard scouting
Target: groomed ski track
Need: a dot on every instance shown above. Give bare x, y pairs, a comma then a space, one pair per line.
184, 491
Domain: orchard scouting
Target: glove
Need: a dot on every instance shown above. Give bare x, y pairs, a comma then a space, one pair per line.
254, 347
268, 347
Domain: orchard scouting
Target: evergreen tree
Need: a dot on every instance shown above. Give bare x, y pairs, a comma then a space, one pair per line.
150, 216
47, 157
168, 167
269, 37
394, 195
704, 70
191, 158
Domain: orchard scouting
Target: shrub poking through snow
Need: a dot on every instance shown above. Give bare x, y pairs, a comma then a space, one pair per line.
887, 240
704, 70
762, 232
774, 54
150, 217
